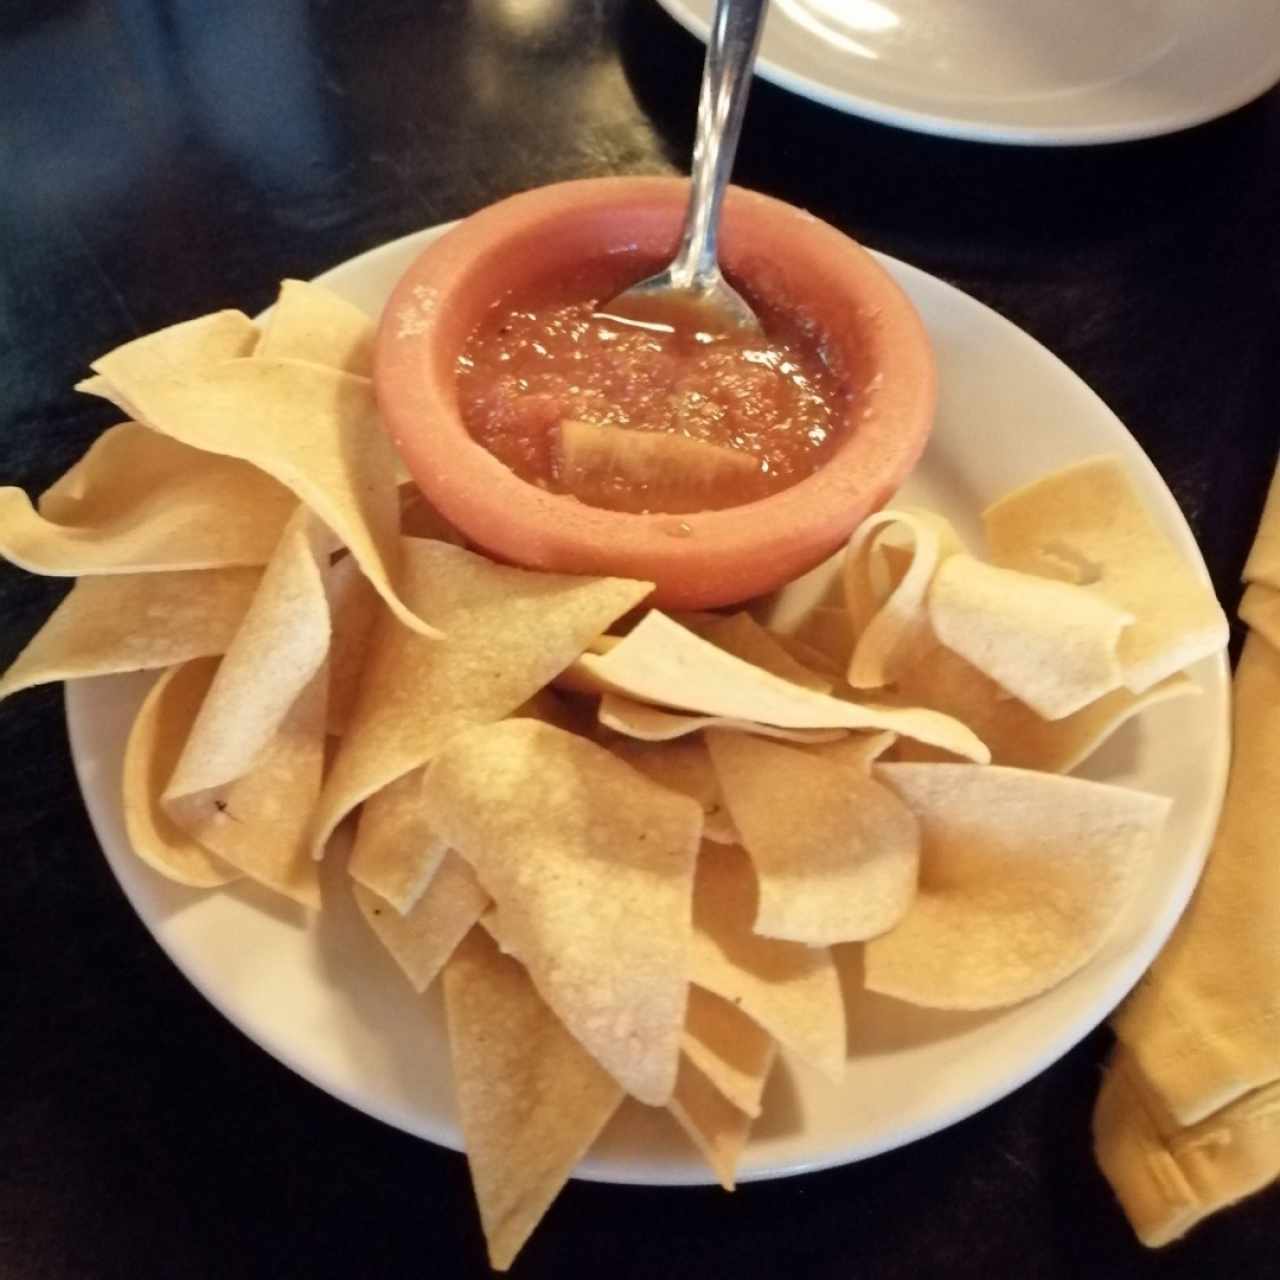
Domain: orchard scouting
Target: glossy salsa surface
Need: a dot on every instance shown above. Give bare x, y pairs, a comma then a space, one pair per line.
559, 390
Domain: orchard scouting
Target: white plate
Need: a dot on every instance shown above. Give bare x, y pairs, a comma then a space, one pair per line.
320, 995
1024, 71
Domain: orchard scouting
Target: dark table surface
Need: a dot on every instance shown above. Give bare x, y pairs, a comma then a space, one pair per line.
162, 158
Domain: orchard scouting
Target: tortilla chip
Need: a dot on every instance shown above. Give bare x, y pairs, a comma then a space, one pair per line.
1053, 645
732, 1051
353, 609
396, 854
531, 1100
312, 323
313, 429
591, 867
791, 990
858, 752
419, 519
1263, 564
829, 631
663, 663
1015, 734
741, 635
155, 741
509, 632
134, 622
1022, 877
651, 724
714, 1125
685, 767
835, 853
422, 940
1087, 524
1260, 610
890, 619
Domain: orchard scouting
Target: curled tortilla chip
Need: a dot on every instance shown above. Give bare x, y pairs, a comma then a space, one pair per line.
791, 990
652, 724
1022, 877
422, 940
685, 767
310, 322
835, 853
531, 1100
510, 631
1087, 524
395, 853
1053, 645
591, 867
714, 1125
663, 663
313, 429
155, 741
735, 1053
1015, 734
890, 620
134, 622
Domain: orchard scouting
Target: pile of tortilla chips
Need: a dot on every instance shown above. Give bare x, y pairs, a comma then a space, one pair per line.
625, 842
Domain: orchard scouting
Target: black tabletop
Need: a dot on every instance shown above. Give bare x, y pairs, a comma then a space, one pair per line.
162, 158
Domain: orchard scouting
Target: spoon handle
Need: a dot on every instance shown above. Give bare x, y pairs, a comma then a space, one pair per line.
726, 78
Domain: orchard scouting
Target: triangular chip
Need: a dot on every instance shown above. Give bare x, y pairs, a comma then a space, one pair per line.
1053, 645
531, 1100
134, 622
313, 429
734, 1052
591, 867
663, 663
683, 766
1015, 734
791, 990
652, 724
1087, 524
422, 940
1022, 877
138, 502
155, 741
714, 1125
835, 853
312, 323
509, 632
395, 853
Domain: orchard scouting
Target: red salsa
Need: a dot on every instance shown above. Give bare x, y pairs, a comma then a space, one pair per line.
667, 415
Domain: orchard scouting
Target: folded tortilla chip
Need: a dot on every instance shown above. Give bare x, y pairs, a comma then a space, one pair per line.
155, 741
310, 322
835, 853
422, 940
734, 1052
531, 1100
591, 867
1053, 645
685, 767
1087, 524
890, 619
134, 622
652, 724
714, 1125
395, 853
663, 663
1022, 877
1015, 734
791, 990
313, 429
510, 631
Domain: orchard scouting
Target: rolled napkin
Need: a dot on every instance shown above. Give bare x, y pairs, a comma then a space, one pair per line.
1188, 1118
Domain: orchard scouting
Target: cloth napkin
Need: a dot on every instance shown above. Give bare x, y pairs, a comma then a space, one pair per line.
1188, 1118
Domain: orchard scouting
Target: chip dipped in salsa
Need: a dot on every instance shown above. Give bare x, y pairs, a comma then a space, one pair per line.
659, 409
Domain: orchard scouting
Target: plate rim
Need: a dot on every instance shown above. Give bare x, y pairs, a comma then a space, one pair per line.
880, 109
77, 705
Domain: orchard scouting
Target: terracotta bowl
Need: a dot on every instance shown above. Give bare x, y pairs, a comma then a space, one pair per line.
701, 560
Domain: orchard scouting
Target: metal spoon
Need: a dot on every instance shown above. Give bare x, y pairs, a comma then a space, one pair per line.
693, 278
